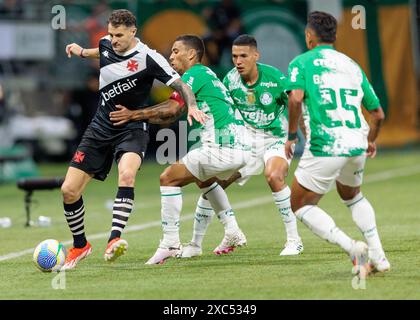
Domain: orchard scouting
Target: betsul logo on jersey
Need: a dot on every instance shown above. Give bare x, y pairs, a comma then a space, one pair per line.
118, 88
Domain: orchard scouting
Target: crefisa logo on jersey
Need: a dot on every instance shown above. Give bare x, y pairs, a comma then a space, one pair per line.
266, 98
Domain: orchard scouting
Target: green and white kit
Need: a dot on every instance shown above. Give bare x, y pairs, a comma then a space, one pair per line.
222, 146
334, 88
262, 107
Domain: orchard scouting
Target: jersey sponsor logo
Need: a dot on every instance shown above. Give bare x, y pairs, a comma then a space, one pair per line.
259, 116
132, 65
325, 63
118, 89
78, 157
266, 98
293, 74
268, 84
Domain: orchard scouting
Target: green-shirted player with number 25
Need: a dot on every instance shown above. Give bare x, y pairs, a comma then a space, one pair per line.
328, 88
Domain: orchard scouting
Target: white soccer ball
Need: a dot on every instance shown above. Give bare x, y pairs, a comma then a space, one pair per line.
49, 255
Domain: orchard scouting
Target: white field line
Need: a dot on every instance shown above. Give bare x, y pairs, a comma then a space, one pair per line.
375, 177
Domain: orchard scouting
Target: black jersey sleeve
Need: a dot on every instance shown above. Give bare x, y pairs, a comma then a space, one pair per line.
160, 69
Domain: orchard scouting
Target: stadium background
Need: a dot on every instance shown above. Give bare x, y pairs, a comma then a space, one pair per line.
46, 99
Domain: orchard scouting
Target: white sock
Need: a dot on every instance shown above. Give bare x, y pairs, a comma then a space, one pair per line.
220, 203
203, 215
282, 200
320, 223
364, 217
171, 201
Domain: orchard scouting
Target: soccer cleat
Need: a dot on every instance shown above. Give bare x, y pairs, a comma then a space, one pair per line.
359, 258
115, 248
75, 255
292, 247
191, 250
164, 253
380, 265
230, 241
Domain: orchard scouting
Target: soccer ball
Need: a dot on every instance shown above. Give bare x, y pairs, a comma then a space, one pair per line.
49, 255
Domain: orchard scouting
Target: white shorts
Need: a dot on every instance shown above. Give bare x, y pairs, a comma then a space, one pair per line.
213, 161
263, 147
319, 174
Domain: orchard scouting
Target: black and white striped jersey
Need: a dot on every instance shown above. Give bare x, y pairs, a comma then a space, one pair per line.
127, 80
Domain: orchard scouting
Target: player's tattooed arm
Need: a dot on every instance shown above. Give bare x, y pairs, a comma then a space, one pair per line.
77, 50
162, 113
188, 96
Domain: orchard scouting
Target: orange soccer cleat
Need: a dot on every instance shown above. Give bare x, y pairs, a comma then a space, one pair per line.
116, 248
75, 255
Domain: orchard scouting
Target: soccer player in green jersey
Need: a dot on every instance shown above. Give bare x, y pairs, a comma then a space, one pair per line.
222, 151
260, 100
328, 88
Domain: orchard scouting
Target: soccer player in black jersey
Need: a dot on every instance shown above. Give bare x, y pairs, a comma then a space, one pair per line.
127, 71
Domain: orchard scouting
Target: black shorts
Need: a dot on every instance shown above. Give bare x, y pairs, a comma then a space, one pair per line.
97, 151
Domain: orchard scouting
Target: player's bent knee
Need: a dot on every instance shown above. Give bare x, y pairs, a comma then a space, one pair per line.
70, 193
274, 178
165, 179
347, 192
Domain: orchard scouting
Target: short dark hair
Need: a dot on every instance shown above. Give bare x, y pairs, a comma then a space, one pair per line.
122, 17
245, 40
193, 42
324, 25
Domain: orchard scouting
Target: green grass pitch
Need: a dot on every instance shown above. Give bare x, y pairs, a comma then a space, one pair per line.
323, 271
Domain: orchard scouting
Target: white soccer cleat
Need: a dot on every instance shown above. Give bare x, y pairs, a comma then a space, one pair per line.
230, 241
359, 257
379, 265
292, 247
191, 250
162, 254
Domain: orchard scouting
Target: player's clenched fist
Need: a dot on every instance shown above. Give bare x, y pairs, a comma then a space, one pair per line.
73, 48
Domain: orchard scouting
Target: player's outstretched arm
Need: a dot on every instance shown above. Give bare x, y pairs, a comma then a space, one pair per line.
75, 49
161, 113
295, 112
188, 96
377, 118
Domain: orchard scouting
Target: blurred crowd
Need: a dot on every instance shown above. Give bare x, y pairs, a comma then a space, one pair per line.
73, 85
68, 88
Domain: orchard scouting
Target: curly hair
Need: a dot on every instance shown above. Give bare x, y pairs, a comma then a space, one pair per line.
122, 17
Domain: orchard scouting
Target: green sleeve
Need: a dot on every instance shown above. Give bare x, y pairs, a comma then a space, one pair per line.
296, 76
370, 100
282, 97
194, 80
